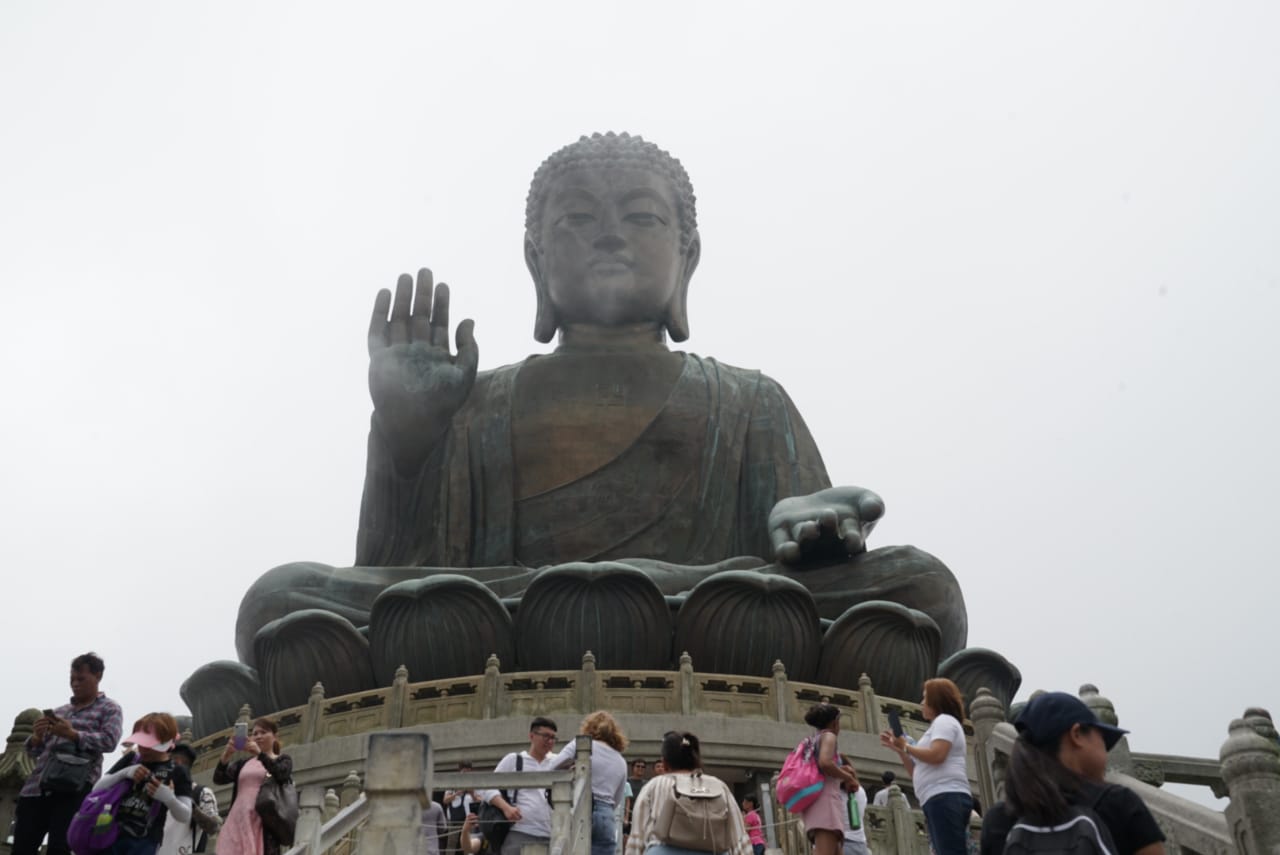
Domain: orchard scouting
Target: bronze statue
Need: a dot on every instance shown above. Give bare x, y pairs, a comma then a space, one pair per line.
613, 493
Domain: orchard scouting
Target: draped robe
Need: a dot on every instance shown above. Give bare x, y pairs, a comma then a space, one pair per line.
695, 487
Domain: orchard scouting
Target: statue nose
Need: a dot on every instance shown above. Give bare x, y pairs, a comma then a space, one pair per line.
609, 241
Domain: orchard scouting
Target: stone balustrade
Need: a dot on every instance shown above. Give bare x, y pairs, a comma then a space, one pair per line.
748, 724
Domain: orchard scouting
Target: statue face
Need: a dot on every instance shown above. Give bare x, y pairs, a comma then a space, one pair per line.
610, 247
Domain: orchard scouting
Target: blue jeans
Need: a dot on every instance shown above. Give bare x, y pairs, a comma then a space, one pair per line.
126, 845
604, 829
947, 817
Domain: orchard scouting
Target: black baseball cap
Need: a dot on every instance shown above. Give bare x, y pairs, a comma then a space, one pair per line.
1048, 716
185, 749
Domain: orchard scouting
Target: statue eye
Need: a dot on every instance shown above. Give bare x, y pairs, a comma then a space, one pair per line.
578, 219
644, 218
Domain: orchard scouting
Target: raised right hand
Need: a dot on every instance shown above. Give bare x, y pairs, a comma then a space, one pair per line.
416, 384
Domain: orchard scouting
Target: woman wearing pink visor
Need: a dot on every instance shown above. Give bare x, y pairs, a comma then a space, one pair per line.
160, 786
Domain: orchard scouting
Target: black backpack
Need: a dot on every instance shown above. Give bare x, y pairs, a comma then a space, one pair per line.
1082, 833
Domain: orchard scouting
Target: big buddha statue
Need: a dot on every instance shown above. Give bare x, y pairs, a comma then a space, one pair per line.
614, 495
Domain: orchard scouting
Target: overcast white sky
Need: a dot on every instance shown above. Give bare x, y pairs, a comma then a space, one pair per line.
1017, 267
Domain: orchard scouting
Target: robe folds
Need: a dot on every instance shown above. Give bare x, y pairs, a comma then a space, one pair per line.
694, 488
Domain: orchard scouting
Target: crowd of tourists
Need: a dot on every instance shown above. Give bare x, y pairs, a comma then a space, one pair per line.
146, 803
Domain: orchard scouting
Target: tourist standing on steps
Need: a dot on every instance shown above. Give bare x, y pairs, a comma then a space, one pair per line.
608, 777
755, 828
881, 799
855, 832
826, 817
1058, 763
161, 788
243, 832
185, 838
89, 725
457, 804
937, 767
532, 811
639, 769
681, 753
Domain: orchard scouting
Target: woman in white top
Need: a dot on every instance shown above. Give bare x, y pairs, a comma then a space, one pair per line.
608, 777
937, 767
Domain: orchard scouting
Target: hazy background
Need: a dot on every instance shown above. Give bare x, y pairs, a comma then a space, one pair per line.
1017, 267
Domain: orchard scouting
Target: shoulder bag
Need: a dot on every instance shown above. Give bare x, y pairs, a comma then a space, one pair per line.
277, 804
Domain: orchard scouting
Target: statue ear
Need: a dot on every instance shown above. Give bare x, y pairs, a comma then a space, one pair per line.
545, 323
678, 308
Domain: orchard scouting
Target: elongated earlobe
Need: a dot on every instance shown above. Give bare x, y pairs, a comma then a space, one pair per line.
545, 322
678, 308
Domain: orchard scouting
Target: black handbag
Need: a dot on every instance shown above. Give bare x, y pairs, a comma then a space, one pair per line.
494, 824
66, 770
277, 805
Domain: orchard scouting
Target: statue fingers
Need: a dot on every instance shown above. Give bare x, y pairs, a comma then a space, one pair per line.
828, 519
802, 532
851, 533
870, 509
420, 328
378, 322
400, 308
786, 550
440, 317
468, 351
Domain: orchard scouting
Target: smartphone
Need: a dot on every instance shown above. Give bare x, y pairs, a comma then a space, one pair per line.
49, 714
895, 723
240, 736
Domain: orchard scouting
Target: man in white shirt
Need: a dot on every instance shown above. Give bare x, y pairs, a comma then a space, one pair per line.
882, 797
531, 812
855, 833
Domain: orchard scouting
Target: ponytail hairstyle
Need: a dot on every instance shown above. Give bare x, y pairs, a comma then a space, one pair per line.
681, 751
1037, 787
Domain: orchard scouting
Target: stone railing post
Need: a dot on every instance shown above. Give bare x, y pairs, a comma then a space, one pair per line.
780, 690
312, 714
1118, 758
580, 821
15, 766
985, 711
686, 684
903, 825
398, 786
870, 706
331, 804
1251, 771
587, 683
398, 702
490, 687
350, 789
311, 800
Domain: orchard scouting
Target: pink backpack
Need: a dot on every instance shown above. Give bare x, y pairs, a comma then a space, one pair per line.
800, 780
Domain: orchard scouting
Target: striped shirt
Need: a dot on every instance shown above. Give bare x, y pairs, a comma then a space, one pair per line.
99, 726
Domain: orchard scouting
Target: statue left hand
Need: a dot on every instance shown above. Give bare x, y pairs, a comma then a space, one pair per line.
830, 523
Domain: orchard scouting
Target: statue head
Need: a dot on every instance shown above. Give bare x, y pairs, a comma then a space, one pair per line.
611, 236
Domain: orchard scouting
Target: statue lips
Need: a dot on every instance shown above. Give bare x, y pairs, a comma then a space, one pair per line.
611, 265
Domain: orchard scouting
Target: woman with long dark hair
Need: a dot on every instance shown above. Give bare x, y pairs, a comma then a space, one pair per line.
1056, 768
937, 767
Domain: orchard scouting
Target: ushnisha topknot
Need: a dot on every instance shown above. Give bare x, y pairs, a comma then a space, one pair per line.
612, 149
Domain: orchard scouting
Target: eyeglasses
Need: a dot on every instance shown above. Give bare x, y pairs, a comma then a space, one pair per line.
549, 735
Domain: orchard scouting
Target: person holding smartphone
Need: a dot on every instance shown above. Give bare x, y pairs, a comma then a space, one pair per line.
84, 729
937, 767
242, 831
